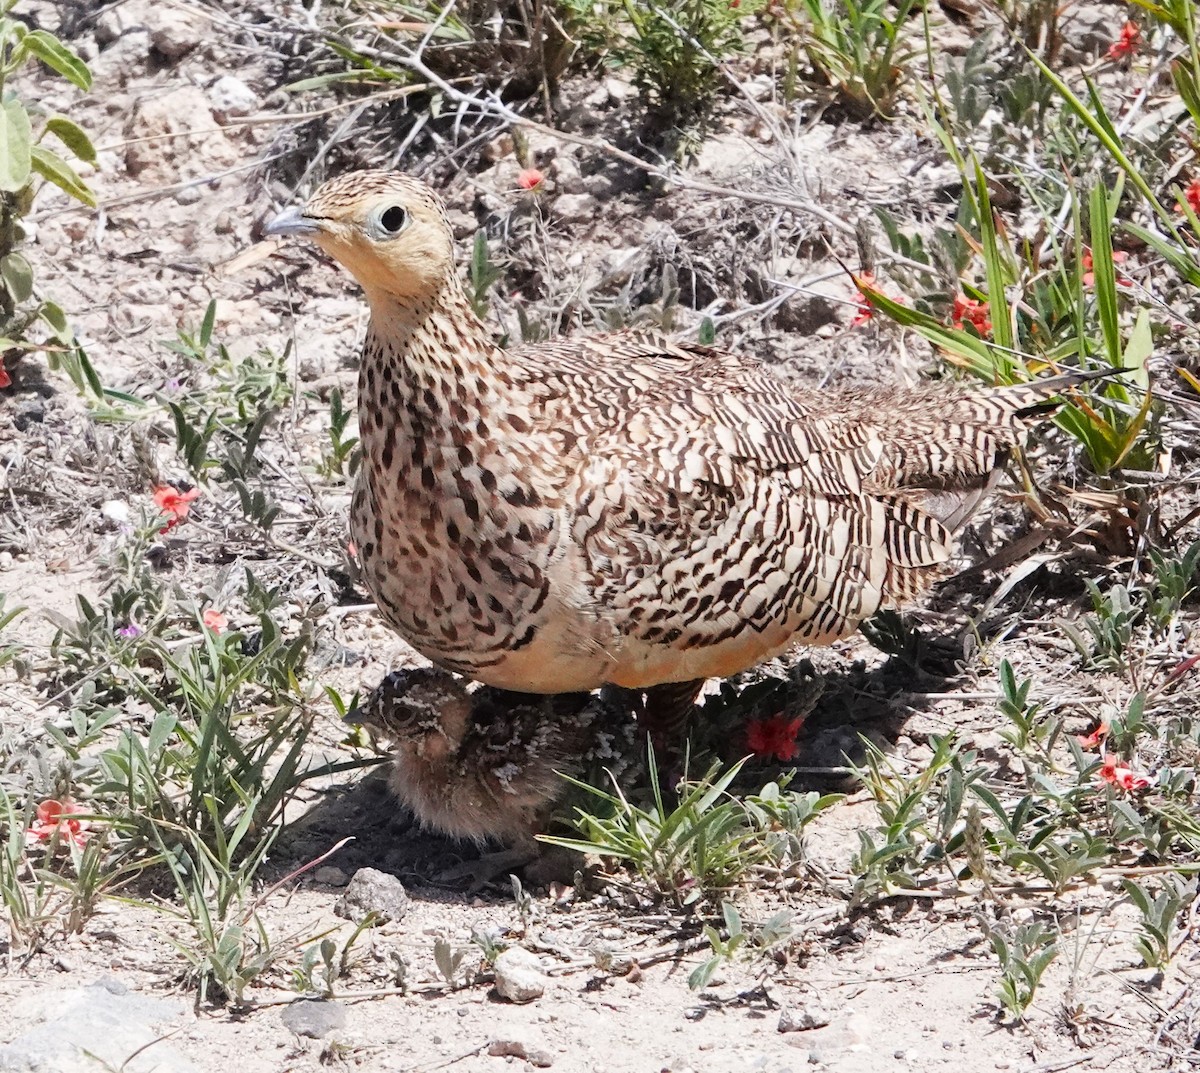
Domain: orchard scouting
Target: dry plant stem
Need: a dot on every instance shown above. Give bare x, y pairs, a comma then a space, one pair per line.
493, 106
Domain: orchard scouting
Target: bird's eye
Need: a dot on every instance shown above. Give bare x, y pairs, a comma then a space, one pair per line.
392, 220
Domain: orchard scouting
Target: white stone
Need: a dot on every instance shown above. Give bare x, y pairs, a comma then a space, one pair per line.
231, 96
519, 976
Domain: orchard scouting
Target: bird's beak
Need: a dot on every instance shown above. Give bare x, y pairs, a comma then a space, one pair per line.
292, 221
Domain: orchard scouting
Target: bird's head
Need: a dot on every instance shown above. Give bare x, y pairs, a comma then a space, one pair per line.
388, 230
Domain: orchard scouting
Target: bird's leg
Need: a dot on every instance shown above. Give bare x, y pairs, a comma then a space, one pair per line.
665, 714
490, 866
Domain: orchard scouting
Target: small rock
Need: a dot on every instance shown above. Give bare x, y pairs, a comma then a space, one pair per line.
6, 560
372, 891
158, 121
519, 976
313, 1018
568, 179
173, 32
803, 1019
189, 195
116, 511
111, 23
231, 97
512, 1048
224, 224
575, 208
331, 876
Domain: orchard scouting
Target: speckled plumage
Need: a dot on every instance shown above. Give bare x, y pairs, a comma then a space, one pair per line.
480, 763
625, 508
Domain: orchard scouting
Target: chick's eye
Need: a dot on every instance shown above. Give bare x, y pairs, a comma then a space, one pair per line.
393, 219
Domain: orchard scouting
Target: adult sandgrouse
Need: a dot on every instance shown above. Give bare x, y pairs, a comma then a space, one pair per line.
626, 508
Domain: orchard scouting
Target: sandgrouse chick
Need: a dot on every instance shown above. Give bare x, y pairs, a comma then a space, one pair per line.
480, 763
626, 508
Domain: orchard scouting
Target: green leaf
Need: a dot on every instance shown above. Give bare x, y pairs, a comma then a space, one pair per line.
17, 274
72, 136
56, 319
206, 326
1139, 348
1002, 326
53, 53
1104, 271
50, 166
15, 138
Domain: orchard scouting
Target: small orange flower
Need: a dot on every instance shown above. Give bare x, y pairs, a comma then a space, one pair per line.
1093, 739
214, 620
864, 311
1089, 275
1127, 43
1191, 194
174, 503
969, 311
1122, 777
55, 817
774, 737
530, 179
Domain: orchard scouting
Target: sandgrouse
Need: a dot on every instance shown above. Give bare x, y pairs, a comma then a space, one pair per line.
481, 763
626, 508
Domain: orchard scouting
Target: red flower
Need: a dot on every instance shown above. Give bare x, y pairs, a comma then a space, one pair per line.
774, 737
5, 379
174, 503
214, 620
1191, 194
1093, 739
54, 818
1089, 276
1127, 43
864, 310
530, 179
1122, 777
969, 311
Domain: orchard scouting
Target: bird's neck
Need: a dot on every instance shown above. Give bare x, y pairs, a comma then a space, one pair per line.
431, 357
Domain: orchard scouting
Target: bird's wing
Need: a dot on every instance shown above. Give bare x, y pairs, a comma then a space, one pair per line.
719, 499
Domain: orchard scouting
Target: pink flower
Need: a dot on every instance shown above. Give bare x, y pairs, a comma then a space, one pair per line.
1089, 275
1122, 777
5, 379
1127, 43
862, 300
214, 620
174, 503
54, 818
530, 179
1191, 194
1093, 739
775, 736
969, 311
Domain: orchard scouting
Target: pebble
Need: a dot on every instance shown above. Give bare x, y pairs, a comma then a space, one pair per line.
519, 976
331, 876
313, 1018
372, 891
575, 208
173, 33
189, 195
230, 96
802, 1019
116, 511
514, 1048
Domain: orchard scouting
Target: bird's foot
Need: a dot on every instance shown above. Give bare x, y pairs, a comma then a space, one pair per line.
489, 867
